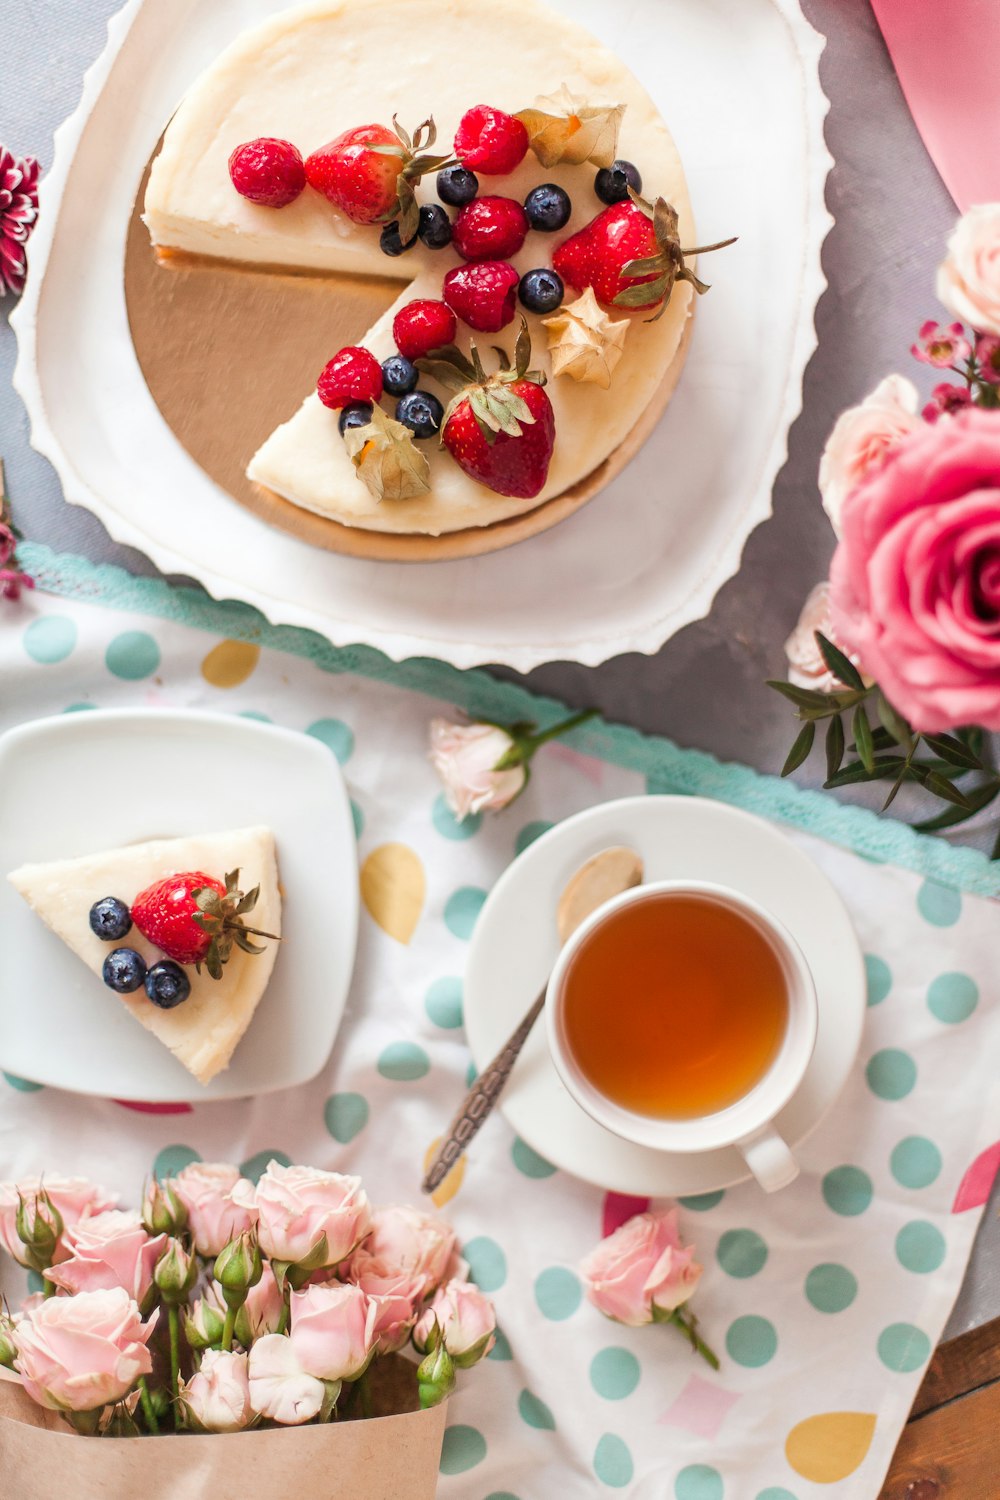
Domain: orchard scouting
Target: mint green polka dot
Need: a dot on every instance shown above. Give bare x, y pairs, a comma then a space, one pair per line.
528, 1161
903, 1348
698, 1482
450, 827
462, 1449
751, 1341
255, 1166
403, 1062
558, 1293
700, 1203
487, 1263
741, 1253
614, 1373
501, 1495
847, 1190
613, 1462
891, 1073
915, 1162
462, 910
939, 904
879, 978
920, 1247
357, 818
50, 639
775, 1492
831, 1288
443, 1002
529, 833
254, 713
335, 735
501, 1349
953, 997
535, 1412
172, 1159
35, 1281
23, 1085
345, 1116
78, 708
132, 655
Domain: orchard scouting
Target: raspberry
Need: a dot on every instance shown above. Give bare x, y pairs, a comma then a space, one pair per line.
490, 229
488, 140
482, 294
421, 326
351, 375
268, 171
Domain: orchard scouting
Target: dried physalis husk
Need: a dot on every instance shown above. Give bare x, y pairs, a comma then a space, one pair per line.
387, 459
584, 341
562, 127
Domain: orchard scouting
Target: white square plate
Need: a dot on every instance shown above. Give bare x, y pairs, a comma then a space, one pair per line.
85, 782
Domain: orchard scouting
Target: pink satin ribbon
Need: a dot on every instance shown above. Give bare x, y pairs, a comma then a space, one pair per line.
947, 56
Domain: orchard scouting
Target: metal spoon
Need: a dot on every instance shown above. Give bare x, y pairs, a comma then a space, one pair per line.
605, 875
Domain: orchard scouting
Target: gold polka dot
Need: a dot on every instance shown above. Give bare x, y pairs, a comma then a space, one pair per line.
230, 663
393, 886
830, 1446
449, 1185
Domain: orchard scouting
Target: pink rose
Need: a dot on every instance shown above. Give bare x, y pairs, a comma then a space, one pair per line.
332, 1330
395, 1295
217, 1397
640, 1269
968, 280
205, 1319
465, 757
214, 1216
261, 1312
110, 1249
307, 1217
80, 1353
72, 1197
915, 584
407, 1239
466, 1322
806, 667
862, 440
279, 1387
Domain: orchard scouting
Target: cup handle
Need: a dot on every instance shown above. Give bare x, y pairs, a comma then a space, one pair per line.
769, 1158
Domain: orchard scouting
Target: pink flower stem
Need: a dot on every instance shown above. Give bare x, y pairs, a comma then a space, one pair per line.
147, 1407
688, 1325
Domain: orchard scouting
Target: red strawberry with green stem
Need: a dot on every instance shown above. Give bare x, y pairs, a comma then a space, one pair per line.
500, 428
369, 173
195, 919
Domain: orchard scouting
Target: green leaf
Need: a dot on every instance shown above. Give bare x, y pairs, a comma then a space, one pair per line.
943, 788
889, 765
892, 722
953, 751
800, 750
845, 671
801, 697
642, 294
863, 737
646, 265
995, 853
952, 816
894, 789
834, 745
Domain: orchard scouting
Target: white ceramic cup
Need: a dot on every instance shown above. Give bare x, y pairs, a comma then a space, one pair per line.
748, 1123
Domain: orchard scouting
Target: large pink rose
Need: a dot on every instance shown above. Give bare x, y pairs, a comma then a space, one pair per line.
968, 280
396, 1295
79, 1353
279, 1387
332, 1330
307, 1217
915, 583
642, 1268
862, 440
110, 1249
214, 1216
217, 1397
73, 1197
407, 1239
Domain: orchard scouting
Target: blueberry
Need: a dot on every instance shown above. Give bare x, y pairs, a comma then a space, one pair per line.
612, 183
435, 227
354, 414
421, 412
390, 242
541, 291
399, 375
110, 919
548, 207
124, 970
167, 984
457, 185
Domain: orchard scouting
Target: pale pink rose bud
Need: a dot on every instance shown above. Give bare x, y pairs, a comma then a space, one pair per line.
205, 1320
217, 1397
216, 1214
80, 1353
307, 1217
940, 346
405, 1239
110, 1249
279, 1387
465, 757
806, 667
73, 1198
176, 1273
862, 440
435, 1377
162, 1210
640, 1269
8, 1344
461, 1318
238, 1267
968, 280
332, 1331
261, 1312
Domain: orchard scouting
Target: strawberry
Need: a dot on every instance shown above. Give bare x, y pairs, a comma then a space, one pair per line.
422, 325
488, 140
195, 919
369, 173
351, 375
482, 294
267, 171
489, 229
500, 428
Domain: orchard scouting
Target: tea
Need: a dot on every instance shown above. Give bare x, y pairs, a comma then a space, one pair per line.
675, 1006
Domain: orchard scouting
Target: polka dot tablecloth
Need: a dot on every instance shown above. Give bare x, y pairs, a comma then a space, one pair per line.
824, 1302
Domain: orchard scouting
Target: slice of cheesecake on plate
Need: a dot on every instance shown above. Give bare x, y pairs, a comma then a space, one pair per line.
204, 1029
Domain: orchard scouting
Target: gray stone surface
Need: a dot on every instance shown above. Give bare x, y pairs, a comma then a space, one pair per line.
704, 688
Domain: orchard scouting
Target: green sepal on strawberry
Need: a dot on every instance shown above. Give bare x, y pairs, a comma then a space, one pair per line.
195, 919
500, 429
369, 173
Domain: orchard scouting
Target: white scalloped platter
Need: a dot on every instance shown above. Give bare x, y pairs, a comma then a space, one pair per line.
738, 84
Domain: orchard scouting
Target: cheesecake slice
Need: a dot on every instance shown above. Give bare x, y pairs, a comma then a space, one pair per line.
203, 1032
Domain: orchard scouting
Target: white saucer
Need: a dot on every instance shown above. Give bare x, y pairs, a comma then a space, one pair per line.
514, 946
83, 782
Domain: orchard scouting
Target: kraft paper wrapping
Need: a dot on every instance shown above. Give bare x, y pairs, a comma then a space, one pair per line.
379, 1459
